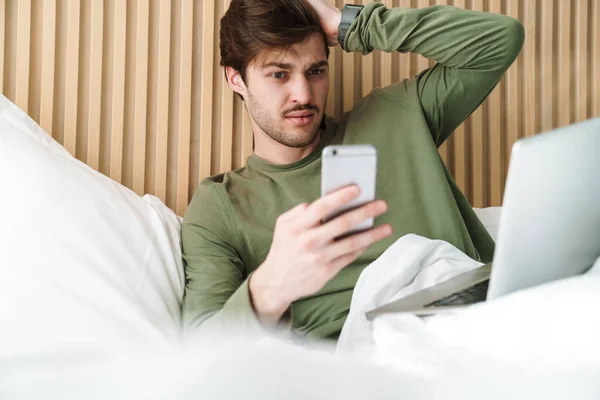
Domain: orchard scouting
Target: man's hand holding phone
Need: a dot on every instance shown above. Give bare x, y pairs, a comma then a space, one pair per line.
305, 254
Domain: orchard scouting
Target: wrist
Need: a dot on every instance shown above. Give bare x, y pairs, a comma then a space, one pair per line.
347, 17
267, 304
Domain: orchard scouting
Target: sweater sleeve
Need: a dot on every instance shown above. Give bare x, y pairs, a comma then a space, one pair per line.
472, 51
217, 296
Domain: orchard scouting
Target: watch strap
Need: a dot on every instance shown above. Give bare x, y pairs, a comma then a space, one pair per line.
349, 14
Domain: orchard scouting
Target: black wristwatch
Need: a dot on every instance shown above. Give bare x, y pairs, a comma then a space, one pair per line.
349, 14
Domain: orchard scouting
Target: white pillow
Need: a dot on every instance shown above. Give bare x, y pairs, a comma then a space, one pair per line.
85, 263
490, 218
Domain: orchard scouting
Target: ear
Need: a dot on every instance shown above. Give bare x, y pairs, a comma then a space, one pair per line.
235, 81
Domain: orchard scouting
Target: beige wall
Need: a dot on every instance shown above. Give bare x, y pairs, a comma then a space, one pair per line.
133, 88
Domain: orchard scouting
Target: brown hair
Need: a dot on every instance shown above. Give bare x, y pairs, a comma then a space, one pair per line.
250, 26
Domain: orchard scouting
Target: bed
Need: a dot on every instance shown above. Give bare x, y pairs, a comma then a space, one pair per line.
91, 279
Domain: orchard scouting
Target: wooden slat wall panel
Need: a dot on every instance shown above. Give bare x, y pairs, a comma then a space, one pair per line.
93, 114
594, 24
563, 72
47, 65
367, 69
161, 99
142, 16
512, 105
206, 86
494, 110
545, 73
134, 89
3, 18
23, 54
227, 117
531, 67
71, 76
581, 98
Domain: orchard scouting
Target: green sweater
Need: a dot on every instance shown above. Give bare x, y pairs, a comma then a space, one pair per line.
228, 227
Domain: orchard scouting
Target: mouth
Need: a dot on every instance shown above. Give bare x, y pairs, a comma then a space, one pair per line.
301, 119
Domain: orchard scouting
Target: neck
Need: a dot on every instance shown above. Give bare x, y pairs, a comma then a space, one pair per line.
276, 153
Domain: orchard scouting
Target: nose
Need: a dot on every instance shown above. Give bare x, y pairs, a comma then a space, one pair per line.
301, 91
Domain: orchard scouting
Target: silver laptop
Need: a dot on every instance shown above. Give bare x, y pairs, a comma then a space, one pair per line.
549, 227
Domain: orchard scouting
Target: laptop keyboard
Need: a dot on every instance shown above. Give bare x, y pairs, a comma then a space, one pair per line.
472, 294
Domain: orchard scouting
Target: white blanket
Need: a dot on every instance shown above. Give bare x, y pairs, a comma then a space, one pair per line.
548, 333
410, 264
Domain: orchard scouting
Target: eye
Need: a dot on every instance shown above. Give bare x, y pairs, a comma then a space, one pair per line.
278, 75
316, 71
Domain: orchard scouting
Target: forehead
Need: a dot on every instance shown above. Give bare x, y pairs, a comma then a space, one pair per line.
300, 54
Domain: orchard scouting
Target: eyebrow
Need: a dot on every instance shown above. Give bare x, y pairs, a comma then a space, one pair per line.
290, 66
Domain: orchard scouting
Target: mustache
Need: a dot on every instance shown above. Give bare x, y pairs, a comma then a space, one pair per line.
303, 107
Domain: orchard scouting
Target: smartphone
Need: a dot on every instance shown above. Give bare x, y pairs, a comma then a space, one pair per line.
345, 165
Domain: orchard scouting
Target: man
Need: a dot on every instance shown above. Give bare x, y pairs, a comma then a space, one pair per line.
256, 253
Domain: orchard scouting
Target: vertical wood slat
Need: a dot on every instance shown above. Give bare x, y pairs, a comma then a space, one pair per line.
581, 40
348, 78
72, 74
348, 81
563, 72
546, 75
247, 135
2, 42
335, 71
530, 68
513, 89
118, 91
333, 84
95, 85
595, 57
185, 105
23, 54
226, 121
495, 177
47, 65
142, 10
367, 75
477, 146
162, 99
206, 88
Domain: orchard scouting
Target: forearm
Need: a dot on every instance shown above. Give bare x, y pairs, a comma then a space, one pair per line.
242, 311
451, 36
237, 314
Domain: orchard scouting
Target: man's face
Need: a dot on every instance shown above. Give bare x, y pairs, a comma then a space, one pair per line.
286, 92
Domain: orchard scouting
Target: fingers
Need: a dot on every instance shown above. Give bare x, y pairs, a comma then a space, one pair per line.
325, 205
341, 262
358, 241
345, 222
